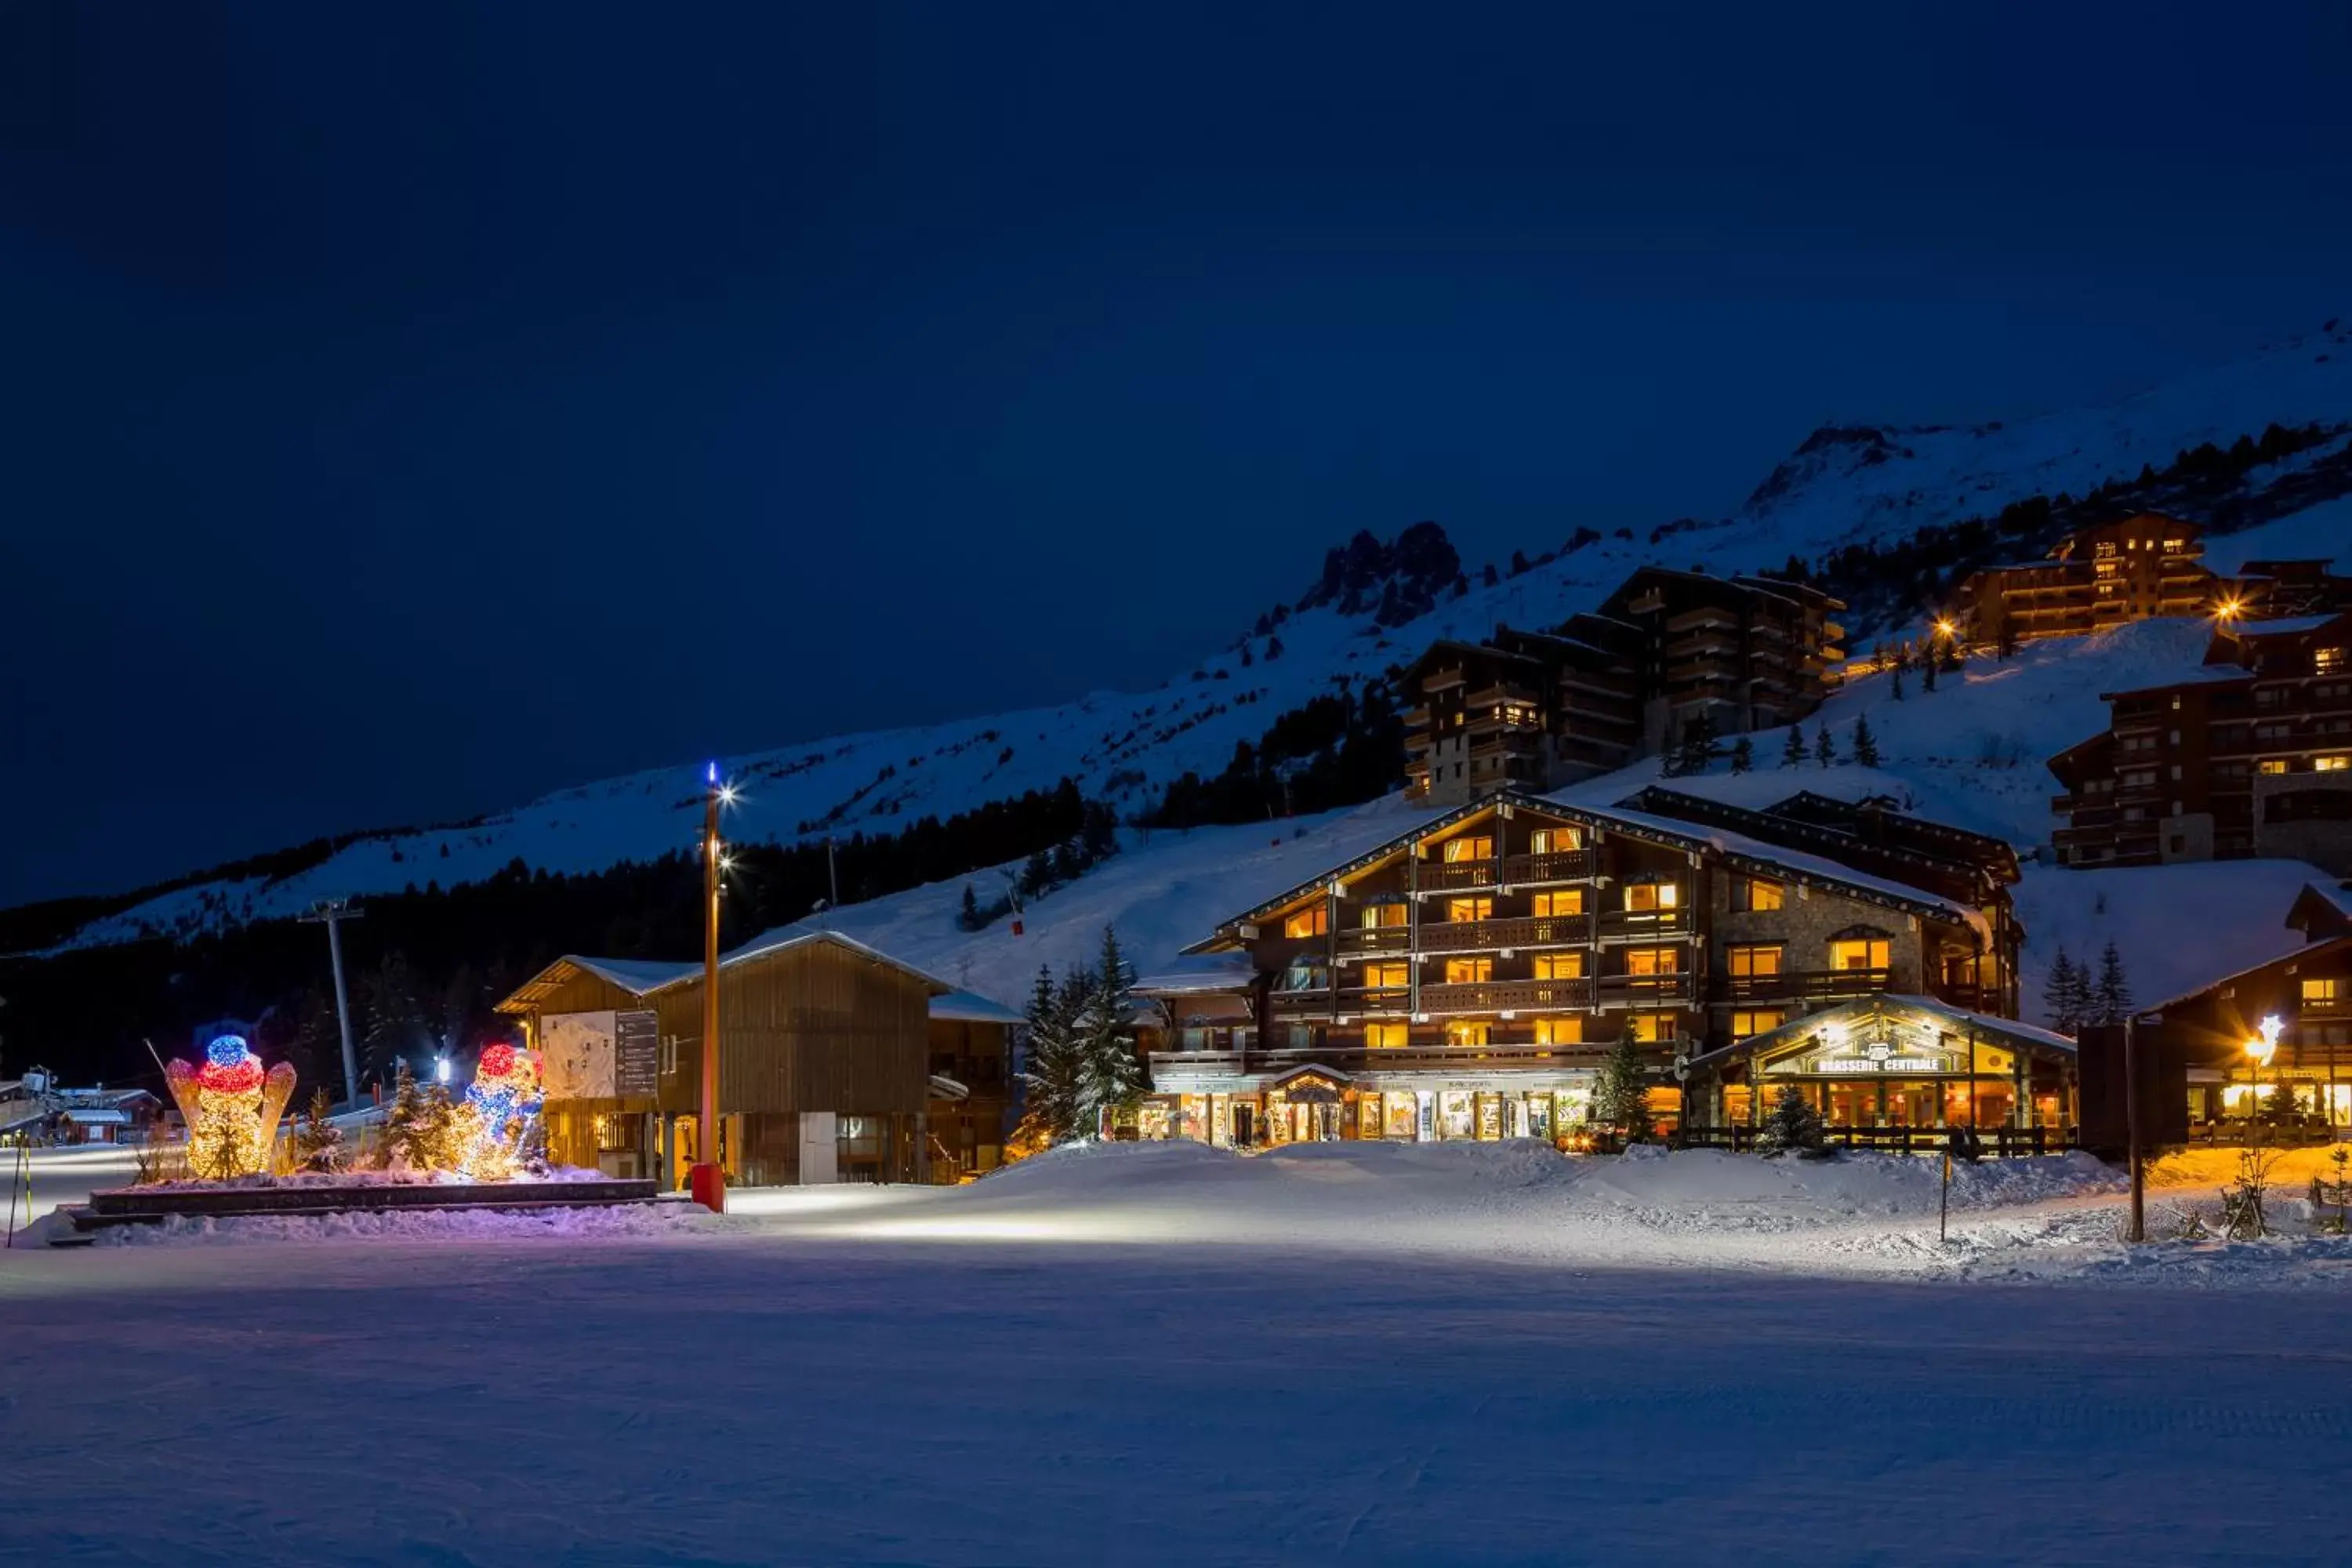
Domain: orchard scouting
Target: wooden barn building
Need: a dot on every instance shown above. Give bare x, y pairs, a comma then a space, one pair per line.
828, 1071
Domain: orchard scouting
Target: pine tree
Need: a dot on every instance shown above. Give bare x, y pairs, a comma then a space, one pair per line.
2059, 994
1743, 754
1928, 674
1697, 752
1621, 1091
1894, 684
1053, 1069
969, 917
1866, 745
1825, 749
318, 1141
408, 1132
1115, 1077
1792, 750
2111, 1000
1037, 875
1793, 1127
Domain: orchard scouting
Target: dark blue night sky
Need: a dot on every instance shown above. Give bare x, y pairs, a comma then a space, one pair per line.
410, 408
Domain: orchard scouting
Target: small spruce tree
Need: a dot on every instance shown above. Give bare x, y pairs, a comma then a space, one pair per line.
1743, 755
1698, 749
2062, 994
408, 1132
1825, 749
1866, 745
1115, 1077
1621, 1091
968, 917
318, 1141
1894, 684
1053, 1068
1794, 1127
1792, 748
1928, 674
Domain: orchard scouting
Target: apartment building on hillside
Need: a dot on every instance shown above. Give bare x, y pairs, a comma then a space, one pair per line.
1666, 651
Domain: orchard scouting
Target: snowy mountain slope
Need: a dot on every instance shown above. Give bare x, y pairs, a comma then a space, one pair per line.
1127, 747
1970, 753
1874, 482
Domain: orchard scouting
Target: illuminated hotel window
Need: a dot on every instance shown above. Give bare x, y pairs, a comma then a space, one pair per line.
1385, 1036
1567, 901
1743, 1025
1460, 849
1468, 970
1465, 1033
1387, 977
1861, 952
1748, 962
2335, 764
1308, 923
1378, 917
2271, 766
1757, 894
1648, 898
1652, 960
2320, 990
1469, 909
1654, 1028
2327, 660
1551, 840
1560, 1031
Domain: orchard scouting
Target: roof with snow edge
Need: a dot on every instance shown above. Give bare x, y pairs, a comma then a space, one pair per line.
2194, 675
970, 1008
1983, 1024
642, 978
2293, 626
1199, 975
1736, 846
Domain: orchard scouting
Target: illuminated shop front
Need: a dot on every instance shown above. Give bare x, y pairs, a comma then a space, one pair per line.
1317, 1104
1888, 1062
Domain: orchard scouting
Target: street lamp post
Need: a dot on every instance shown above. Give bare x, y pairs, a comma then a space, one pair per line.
2260, 1047
707, 1180
331, 914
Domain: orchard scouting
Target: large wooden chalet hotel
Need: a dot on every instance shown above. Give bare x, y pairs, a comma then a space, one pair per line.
1465, 979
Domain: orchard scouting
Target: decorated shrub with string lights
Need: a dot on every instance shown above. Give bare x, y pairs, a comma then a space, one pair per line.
502, 1110
231, 1107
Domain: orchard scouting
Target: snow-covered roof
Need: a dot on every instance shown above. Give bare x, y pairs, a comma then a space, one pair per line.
1203, 973
2194, 675
97, 1116
2281, 628
1960, 1018
969, 1007
635, 974
2309, 950
786, 938
642, 977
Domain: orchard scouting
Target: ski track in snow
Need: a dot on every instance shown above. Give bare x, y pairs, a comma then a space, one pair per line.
1359, 1353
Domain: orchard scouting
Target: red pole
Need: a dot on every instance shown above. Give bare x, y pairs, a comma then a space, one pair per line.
707, 1180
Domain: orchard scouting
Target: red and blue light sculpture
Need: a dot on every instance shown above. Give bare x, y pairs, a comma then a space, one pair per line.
503, 1106
232, 1108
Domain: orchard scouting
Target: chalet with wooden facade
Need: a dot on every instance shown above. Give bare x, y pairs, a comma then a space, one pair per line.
971, 1085
1666, 651
830, 1066
2284, 1024
2249, 755
1465, 978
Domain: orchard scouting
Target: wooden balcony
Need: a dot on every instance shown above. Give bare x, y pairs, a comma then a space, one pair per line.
1504, 996
1495, 935
1375, 939
1448, 875
1647, 990
1373, 1060
1512, 870
1375, 1001
1624, 925
1811, 984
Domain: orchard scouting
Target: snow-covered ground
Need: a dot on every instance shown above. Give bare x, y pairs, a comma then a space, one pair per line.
1339, 1353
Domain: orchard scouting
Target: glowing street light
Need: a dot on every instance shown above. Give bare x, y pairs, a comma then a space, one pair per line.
707, 1182
2260, 1046
2229, 610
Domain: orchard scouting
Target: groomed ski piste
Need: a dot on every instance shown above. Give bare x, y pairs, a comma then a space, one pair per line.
1334, 1353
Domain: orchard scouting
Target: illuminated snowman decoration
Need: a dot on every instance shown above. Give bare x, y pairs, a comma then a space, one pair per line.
502, 1107
231, 1107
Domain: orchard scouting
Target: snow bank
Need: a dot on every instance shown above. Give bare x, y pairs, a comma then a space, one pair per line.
422, 1224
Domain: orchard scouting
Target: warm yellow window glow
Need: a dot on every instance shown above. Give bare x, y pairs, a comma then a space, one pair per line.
1567, 901
2320, 990
2335, 764
1308, 922
1743, 1025
1469, 909
2329, 659
1653, 1028
1560, 1031
1764, 895
1468, 970
1551, 840
1382, 917
1859, 954
1560, 966
1387, 977
1748, 962
1386, 1036
1465, 1033
1652, 960
2271, 765
1460, 849
1647, 898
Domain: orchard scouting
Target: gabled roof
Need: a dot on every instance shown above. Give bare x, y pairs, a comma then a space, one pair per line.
1740, 850
2293, 955
642, 977
2294, 626
970, 1008
1958, 1020
2321, 910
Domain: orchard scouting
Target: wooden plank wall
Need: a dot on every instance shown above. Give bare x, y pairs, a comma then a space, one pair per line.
813, 1027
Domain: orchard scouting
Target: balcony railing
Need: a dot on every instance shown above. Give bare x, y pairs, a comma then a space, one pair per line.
1448, 874
1558, 866
1353, 1058
1375, 939
1504, 996
1375, 1001
1493, 935
1638, 923
1811, 984
1300, 1004
1646, 990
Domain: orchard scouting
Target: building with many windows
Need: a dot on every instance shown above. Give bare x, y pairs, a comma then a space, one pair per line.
2128, 570
1667, 652
1465, 978
2249, 755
